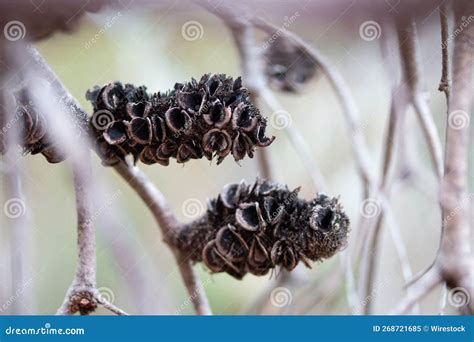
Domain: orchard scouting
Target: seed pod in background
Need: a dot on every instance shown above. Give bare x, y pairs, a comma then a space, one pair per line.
254, 228
31, 127
288, 66
212, 117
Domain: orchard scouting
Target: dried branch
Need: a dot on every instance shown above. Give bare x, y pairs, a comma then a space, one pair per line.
410, 55
17, 213
445, 82
152, 197
455, 258
170, 227
83, 296
454, 262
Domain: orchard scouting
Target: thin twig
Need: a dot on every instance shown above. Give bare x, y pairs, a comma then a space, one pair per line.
445, 82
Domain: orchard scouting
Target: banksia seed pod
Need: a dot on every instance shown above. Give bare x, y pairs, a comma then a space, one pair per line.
212, 118
288, 66
254, 228
31, 127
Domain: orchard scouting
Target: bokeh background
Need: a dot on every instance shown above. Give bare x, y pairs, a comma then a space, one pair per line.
147, 47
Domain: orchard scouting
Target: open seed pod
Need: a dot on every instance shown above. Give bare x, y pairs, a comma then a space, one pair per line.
254, 228
212, 117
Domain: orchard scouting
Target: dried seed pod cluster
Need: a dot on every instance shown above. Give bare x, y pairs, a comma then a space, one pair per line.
253, 228
31, 127
211, 117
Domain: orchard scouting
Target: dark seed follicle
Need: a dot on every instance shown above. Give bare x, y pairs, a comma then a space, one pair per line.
211, 118
252, 228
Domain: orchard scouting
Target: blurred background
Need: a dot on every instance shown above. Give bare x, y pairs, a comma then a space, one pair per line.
136, 270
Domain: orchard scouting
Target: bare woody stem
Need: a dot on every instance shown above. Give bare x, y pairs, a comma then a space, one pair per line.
85, 279
445, 82
454, 263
